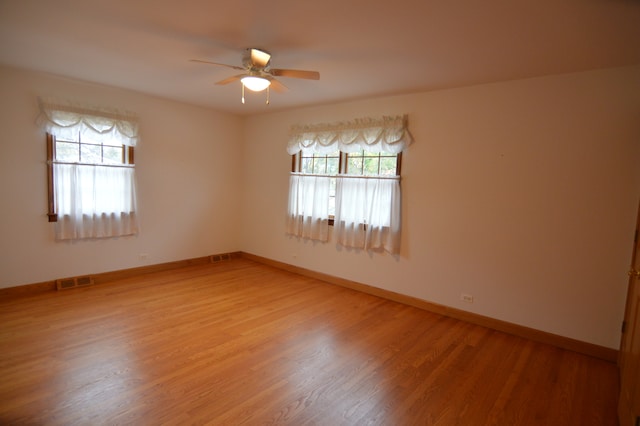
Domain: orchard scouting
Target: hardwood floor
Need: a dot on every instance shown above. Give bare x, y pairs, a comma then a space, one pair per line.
238, 342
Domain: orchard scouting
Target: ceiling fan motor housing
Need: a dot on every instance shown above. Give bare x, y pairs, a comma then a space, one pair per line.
256, 59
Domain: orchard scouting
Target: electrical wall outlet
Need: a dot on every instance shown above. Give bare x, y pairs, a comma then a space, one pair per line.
466, 298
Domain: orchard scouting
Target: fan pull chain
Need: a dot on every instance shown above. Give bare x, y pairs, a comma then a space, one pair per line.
242, 92
268, 92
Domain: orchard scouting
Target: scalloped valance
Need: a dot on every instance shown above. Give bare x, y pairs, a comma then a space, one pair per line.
67, 120
388, 134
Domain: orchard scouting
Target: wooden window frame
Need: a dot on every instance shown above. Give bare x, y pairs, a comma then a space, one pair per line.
51, 155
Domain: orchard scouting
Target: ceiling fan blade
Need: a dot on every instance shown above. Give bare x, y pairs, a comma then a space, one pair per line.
230, 79
277, 86
259, 58
309, 75
216, 63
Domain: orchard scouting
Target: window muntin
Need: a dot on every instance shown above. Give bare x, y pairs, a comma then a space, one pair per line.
314, 163
365, 163
89, 152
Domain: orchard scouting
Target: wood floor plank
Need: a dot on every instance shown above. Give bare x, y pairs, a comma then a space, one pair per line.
240, 342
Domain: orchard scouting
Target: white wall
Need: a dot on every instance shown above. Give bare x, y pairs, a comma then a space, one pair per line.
187, 173
522, 194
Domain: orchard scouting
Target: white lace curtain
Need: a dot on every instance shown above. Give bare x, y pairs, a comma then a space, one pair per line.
92, 201
367, 213
67, 120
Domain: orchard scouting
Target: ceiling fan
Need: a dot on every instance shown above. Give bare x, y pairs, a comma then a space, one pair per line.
258, 74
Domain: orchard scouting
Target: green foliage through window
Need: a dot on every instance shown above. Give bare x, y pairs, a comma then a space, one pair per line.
366, 163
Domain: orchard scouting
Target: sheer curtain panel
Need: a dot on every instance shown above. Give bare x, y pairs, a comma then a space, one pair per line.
95, 201
308, 212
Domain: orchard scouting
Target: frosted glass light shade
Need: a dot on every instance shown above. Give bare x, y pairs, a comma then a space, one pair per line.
256, 84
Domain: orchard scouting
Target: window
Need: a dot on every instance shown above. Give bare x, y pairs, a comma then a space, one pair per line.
91, 172
348, 175
91, 188
361, 163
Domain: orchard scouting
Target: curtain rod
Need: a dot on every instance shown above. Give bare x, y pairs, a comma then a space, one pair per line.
125, 166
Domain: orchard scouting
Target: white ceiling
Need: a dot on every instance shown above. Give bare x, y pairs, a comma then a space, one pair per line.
361, 48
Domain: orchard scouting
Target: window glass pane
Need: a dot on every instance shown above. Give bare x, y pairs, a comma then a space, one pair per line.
90, 154
320, 165
388, 166
372, 163
354, 166
111, 142
90, 139
307, 165
112, 154
371, 166
316, 163
332, 165
67, 151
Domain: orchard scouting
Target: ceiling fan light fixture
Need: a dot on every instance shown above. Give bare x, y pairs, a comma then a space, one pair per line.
256, 84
